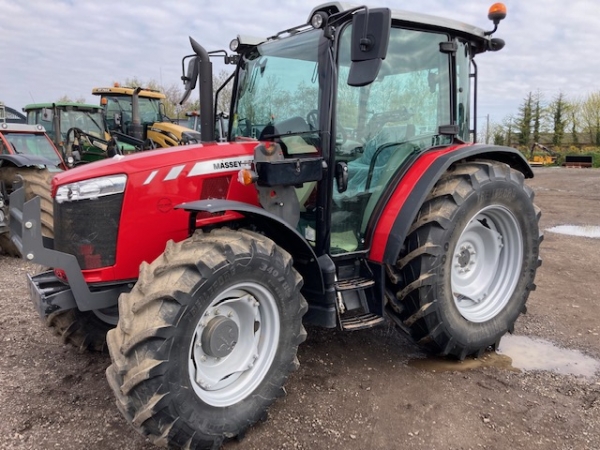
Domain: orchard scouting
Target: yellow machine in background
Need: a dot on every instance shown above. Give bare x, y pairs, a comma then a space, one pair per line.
135, 115
542, 160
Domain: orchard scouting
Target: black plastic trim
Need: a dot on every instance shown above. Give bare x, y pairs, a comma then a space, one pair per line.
305, 259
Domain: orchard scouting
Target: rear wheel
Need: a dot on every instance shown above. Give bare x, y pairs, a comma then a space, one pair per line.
207, 338
470, 260
37, 182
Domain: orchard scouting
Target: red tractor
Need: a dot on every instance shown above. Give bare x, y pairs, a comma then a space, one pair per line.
348, 193
28, 155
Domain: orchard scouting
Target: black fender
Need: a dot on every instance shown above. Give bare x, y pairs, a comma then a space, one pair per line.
287, 237
409, 210
21, 160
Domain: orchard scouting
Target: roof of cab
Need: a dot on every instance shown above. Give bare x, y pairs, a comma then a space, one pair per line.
411, 17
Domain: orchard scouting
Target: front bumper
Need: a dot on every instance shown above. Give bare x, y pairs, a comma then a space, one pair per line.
45, 289
49, 294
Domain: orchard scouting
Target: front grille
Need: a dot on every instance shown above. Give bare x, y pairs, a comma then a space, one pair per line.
88, 229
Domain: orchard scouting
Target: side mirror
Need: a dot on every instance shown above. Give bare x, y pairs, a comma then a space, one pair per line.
117, 119
189, 79
47, 114
370, 39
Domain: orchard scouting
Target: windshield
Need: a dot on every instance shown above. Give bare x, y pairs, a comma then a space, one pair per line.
31, 144
278, 89
149, 110
89, 122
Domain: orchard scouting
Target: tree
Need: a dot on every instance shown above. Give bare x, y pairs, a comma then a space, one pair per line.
498, 134
537, 115
224, 98
558, 110
66, 99
509, 126
590, 115
524, 121
573, 114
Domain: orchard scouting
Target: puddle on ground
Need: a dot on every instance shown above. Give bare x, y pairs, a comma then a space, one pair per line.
519, 353
591, 231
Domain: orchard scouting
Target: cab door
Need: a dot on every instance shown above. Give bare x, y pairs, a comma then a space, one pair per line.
382, 127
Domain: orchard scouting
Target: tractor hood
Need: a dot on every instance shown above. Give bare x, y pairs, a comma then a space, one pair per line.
112, 203
183, 160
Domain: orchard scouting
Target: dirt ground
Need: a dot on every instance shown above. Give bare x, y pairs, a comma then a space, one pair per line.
363, 390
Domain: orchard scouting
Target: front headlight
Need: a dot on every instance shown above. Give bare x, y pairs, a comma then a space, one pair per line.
91, 189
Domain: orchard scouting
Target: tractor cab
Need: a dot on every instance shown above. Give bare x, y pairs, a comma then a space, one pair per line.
77, 129
349, 111
365, 91
136, 116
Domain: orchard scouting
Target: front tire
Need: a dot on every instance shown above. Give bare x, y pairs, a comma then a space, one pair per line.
84, 330
469, 261
207, 338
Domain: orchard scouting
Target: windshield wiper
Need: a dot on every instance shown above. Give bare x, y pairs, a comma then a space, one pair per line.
93, 120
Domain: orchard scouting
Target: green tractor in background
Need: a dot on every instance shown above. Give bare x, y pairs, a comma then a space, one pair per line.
78, 130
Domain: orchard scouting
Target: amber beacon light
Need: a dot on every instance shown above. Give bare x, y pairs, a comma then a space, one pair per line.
497, 12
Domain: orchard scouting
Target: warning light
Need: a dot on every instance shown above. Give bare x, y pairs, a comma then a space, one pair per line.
497, 12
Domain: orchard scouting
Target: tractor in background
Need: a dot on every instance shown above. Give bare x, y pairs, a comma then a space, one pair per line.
28, 157
78, 130
347, 195
192, 120
136, 116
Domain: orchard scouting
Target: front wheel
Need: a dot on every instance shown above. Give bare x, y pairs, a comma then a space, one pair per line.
84, 330
469, 261
207, 338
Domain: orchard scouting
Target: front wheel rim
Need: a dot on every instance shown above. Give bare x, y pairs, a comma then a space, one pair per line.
487, 263
234, 344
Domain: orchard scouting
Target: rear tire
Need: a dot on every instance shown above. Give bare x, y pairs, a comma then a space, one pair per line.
206, 338
469, 261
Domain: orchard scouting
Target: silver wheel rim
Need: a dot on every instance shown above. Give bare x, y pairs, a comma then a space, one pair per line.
226, 380
486, 264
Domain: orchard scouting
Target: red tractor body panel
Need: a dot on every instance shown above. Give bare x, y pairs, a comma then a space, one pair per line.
156, 183
383, 227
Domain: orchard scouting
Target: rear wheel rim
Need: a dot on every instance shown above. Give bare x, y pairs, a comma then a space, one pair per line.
234, 344
487, 263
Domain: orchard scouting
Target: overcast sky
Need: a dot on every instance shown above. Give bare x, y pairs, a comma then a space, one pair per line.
51, 48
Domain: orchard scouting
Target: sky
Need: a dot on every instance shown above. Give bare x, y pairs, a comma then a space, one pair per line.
53, 48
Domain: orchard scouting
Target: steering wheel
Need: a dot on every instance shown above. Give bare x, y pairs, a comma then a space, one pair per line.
378, 120
312, 118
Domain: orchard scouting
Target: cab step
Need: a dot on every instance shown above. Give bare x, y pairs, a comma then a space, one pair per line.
360, 322
354, 283
353, 305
